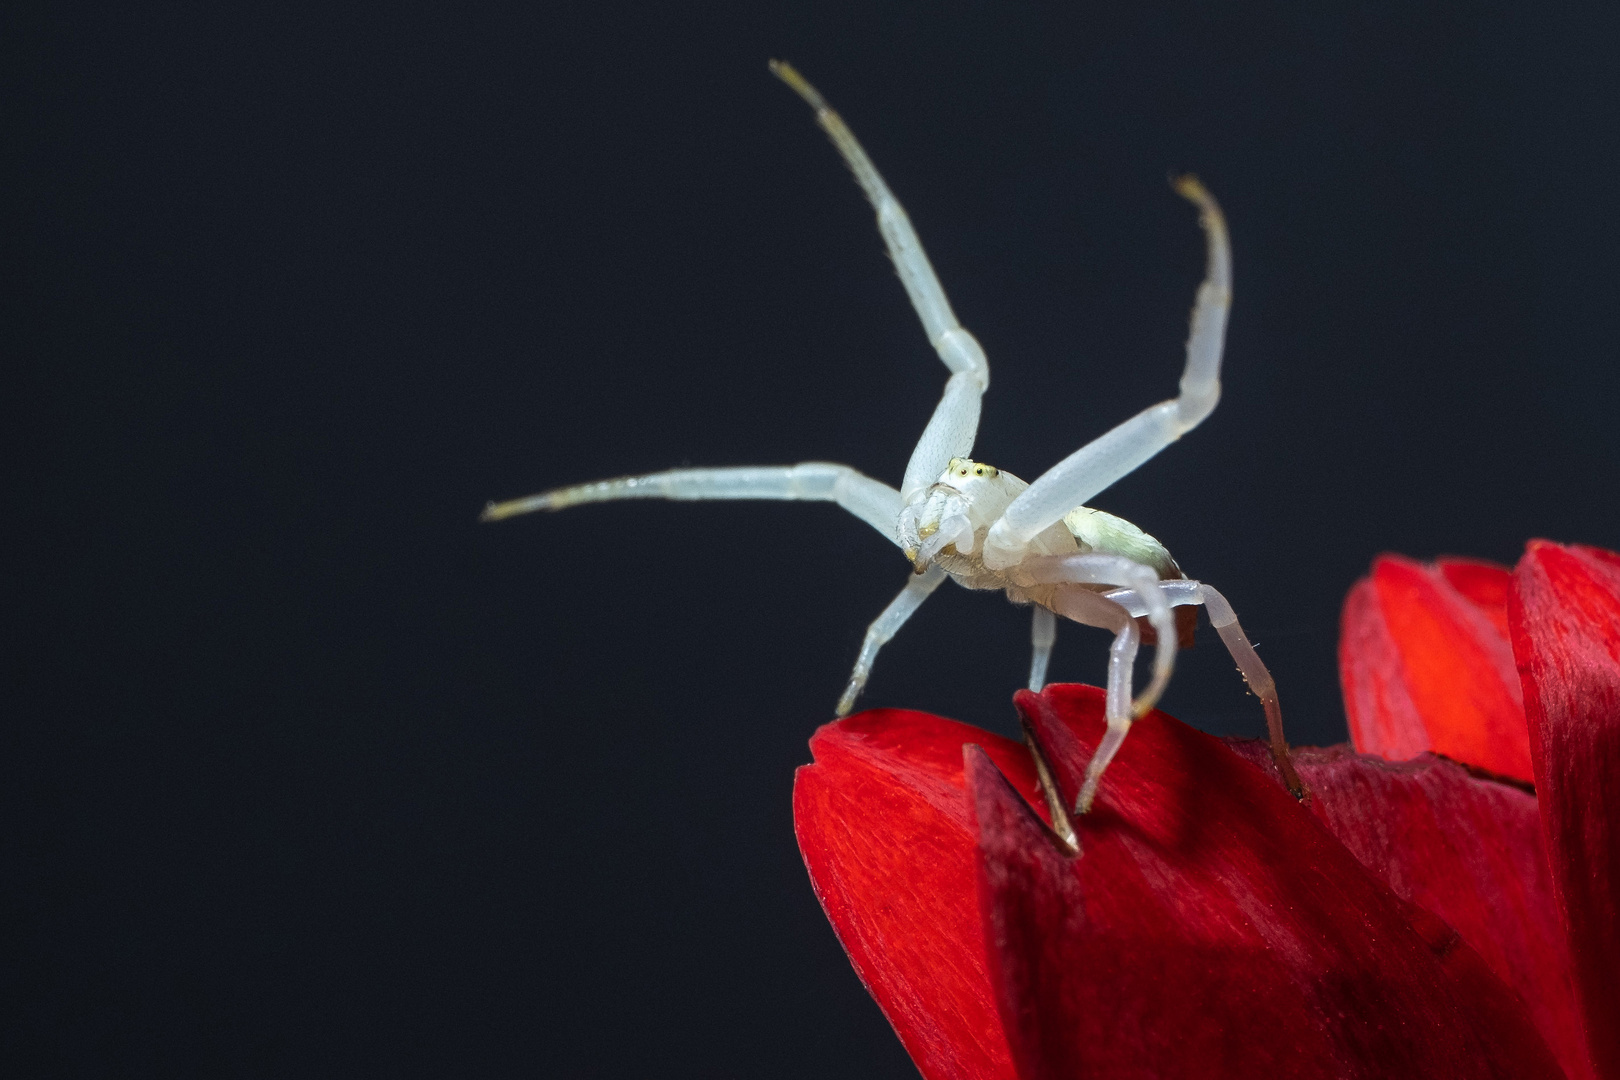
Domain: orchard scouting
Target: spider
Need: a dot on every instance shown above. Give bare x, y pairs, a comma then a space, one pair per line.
984, 527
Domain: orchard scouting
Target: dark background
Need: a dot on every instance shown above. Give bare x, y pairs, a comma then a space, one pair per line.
304, 772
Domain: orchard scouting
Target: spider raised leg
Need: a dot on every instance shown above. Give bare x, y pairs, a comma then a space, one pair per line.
1117, 453
872, 501
955, 423
985, 528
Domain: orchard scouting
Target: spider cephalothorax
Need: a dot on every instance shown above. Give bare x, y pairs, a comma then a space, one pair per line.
984, 527
955, 511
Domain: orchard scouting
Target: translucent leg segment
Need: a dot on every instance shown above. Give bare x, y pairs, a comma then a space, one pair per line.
1259, 680
951, 431
1255, 673
1121, 657
1093, 609
1118, 570
873, 502
884, 627
1077, 478
1043, 635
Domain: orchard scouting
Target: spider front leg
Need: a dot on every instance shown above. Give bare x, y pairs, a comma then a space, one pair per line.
955, 423
1077, 478
883, 629
872, 501
875, 503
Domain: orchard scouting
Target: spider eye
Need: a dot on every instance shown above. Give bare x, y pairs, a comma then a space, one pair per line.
979, 470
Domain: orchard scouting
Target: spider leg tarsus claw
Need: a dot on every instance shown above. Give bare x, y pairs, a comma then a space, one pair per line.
852, 693
1062, 826
500, 511
799, 84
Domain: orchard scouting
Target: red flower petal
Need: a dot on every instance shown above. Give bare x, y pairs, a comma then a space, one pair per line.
1485, 584
887, 834
1466, 850
1215, 928
1212, 928
1565, 620
1426, 665
1383, 719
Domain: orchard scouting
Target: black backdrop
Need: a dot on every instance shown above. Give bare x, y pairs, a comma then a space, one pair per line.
304, 772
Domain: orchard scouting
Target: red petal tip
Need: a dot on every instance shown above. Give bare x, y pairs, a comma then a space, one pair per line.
1426, 665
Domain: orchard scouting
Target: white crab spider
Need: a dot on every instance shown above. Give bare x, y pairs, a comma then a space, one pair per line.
987, 529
